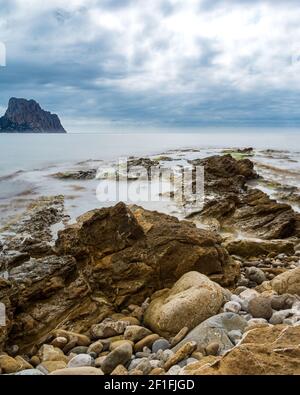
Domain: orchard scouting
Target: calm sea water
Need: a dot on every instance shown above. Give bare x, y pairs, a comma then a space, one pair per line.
35, 151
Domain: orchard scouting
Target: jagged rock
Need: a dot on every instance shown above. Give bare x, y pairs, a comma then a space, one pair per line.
191, 300
225, 174
110, 258
271, 350
88, 174
236, 206
23, 116
133, 252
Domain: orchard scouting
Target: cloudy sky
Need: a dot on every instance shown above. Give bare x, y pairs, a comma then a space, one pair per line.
109, 64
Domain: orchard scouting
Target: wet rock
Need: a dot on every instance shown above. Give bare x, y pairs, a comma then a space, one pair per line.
88, 174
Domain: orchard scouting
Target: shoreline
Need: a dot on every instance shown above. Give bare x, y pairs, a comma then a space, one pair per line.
110, 277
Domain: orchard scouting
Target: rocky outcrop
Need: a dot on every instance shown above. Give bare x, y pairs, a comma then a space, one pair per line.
239, 208
263, 351
26, 116
109, 259
191, 300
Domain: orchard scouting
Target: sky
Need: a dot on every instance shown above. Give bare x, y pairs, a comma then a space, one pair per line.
105, 65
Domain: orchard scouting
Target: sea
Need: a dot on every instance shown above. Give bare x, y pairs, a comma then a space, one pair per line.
27, 161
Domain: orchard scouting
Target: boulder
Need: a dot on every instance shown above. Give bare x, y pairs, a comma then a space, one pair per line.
215, 330
191, 300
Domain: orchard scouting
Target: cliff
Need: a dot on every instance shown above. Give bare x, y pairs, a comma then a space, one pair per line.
26, 116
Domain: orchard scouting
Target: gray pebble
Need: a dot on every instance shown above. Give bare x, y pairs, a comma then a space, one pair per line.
160, 344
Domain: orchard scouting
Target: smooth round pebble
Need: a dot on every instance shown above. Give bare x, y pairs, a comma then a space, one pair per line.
160, 344
80, 360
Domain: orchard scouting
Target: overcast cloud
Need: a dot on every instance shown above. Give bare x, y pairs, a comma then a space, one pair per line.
102, 64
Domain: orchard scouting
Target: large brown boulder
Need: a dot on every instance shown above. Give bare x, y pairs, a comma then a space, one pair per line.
269, 350
110, 258
191, 300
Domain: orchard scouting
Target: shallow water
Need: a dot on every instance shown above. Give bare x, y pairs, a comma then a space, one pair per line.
27, 162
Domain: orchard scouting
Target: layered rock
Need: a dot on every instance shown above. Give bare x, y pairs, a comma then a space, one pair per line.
26, 116
240, 208
110, 258
263, 351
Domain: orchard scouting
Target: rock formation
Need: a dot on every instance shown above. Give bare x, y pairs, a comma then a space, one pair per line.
26, 116
110, 258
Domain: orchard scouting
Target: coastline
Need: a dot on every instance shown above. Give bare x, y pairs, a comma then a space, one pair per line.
241, 250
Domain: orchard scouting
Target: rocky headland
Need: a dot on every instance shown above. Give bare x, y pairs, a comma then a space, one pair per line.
129, 291
26, 116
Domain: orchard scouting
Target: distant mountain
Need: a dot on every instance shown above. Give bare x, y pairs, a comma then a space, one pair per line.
27, 116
